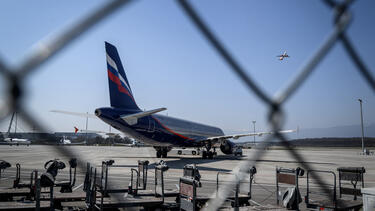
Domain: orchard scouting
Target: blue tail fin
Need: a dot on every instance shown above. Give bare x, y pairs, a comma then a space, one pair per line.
119, 89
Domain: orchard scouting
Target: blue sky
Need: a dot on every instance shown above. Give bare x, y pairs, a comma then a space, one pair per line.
169, 64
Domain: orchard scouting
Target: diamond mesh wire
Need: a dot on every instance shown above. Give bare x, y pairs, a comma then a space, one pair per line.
48, 48
342, 19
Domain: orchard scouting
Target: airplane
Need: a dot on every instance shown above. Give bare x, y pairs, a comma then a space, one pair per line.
65, 141
16, 141
160, 131
282, 56
133, 143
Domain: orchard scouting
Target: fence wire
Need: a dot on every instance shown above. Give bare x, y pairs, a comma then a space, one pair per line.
48, 48
341, 21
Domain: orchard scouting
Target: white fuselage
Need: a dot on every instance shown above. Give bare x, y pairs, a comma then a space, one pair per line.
17, 141
65, 141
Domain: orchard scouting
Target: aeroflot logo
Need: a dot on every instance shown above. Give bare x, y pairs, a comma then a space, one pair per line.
117, 78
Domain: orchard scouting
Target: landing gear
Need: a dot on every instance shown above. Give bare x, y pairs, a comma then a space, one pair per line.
161, 152
204, 154
208, 153
164, 154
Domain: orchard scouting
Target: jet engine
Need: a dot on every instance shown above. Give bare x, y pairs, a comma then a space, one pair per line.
227, 147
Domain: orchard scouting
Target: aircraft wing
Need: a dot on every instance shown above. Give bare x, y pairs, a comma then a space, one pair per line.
91, 131
236, 136
110, 134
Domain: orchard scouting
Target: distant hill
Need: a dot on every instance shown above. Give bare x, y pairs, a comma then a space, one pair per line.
324, 142
333, 142
338, 131
346, 131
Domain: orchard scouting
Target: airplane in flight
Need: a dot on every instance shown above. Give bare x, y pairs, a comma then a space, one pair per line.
160, 131
282, 56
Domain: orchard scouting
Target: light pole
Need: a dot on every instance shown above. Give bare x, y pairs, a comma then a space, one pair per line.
363, 144
87, 123
254, 129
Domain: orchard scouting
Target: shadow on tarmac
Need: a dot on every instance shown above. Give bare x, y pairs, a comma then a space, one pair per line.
293, 161
180, 162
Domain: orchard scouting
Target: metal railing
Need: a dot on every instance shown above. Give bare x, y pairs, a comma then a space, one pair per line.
46, 49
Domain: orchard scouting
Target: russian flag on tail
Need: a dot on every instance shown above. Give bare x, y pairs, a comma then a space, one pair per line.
121, 95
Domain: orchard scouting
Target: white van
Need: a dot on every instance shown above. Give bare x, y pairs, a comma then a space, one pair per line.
187, 151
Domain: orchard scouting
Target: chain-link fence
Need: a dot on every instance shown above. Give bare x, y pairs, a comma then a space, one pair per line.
48, 48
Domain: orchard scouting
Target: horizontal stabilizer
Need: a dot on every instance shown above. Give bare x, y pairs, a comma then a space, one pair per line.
75, 113
132, 119
100, 132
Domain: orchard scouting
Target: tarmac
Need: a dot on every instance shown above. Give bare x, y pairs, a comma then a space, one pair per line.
263, 187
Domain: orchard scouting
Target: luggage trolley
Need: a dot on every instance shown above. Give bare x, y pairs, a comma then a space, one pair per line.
4, 165
289, 176
134, 185
238, 199
67, 186
22, 189
334, 203
17, 181
140, 177
353, 175
32, 203
134, 199
188, 193
160, 190
142, 173
48, 178
103, 184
